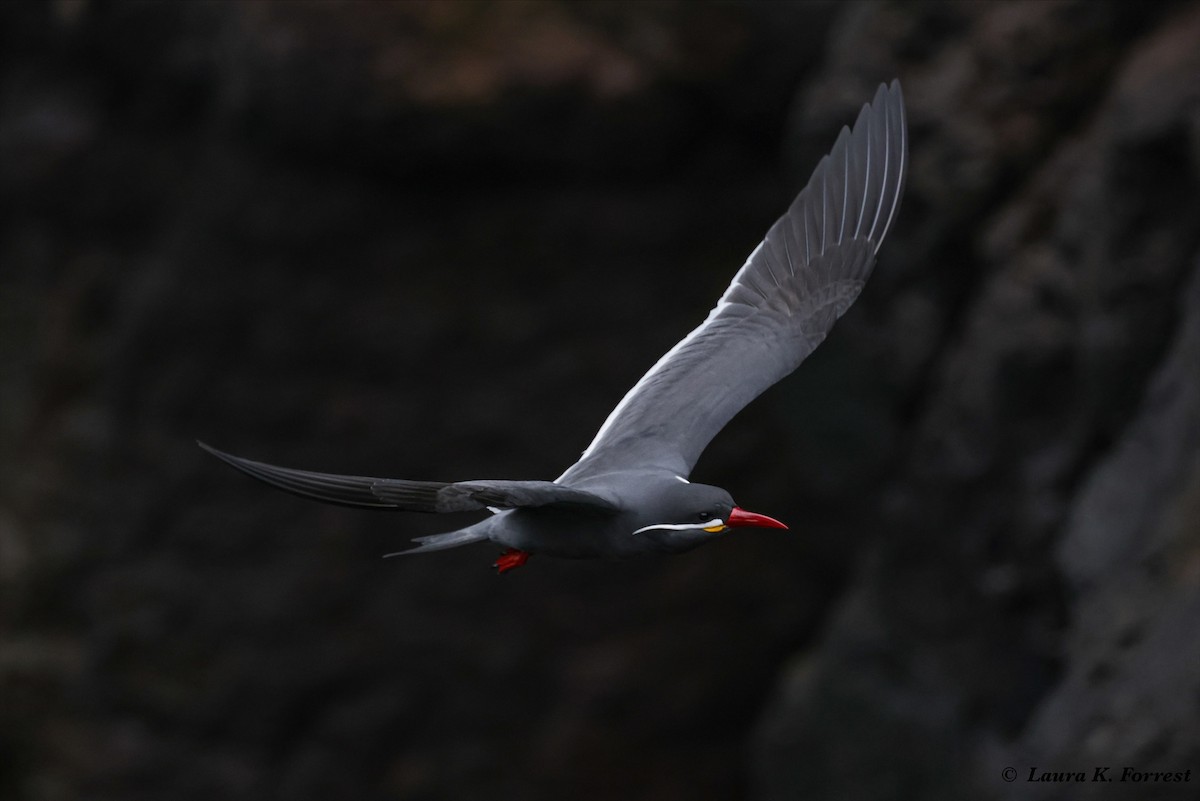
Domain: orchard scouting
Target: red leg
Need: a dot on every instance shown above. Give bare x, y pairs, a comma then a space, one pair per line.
510, 559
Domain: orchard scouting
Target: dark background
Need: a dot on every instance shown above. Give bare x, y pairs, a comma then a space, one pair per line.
440, 240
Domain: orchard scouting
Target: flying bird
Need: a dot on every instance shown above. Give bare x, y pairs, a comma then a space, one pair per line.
629, 492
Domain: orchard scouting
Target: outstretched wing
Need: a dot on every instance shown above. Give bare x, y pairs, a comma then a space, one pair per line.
781, 304
417, 496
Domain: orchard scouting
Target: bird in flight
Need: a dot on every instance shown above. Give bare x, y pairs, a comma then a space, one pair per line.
629, 492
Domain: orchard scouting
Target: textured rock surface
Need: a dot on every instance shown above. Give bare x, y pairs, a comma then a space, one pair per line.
1031, 601
440, 241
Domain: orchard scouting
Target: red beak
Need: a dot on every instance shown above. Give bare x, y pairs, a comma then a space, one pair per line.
740, 517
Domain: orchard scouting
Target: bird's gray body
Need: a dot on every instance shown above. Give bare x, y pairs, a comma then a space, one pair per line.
647, 497
629, 492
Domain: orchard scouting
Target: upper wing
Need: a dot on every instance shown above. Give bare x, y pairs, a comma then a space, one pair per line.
781, 304
417, 496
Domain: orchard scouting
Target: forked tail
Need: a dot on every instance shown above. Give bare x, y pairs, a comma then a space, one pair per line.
440, 542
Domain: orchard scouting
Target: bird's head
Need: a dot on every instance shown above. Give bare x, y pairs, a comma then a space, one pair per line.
683, 515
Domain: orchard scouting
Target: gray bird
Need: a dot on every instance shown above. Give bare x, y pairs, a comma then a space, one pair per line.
629, 492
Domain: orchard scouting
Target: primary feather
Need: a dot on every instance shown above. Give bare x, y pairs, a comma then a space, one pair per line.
802, 277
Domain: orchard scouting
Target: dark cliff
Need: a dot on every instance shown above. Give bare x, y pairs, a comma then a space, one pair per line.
440, 241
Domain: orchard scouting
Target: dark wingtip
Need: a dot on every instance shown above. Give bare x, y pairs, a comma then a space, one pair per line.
210, 449
227, 458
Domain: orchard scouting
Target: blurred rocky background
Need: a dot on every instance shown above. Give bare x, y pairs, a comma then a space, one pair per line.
440, 240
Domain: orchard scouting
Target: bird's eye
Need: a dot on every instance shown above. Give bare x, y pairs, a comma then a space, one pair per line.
704, 516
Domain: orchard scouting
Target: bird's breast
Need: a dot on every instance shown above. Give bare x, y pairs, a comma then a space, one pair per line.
565, 534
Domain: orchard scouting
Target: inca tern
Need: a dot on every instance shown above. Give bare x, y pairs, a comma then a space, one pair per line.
629, 492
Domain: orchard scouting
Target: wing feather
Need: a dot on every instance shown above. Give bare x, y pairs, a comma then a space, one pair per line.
417, 496
805, 273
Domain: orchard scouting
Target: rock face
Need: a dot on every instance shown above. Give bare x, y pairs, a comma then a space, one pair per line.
440, 241
1030, 602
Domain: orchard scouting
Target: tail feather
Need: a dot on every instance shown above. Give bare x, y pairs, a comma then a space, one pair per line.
440, 542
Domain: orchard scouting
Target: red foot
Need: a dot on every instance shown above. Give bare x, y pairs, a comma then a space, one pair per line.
510, 559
